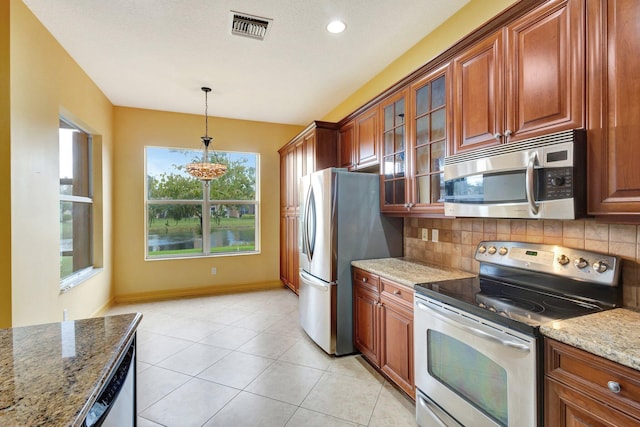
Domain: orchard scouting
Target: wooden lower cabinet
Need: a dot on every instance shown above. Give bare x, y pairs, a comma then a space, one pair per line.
383, 326
396, 349
289, 264
367, 317
578, 389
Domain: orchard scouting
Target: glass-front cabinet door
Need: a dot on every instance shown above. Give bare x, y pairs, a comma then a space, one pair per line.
394, 154
428, 141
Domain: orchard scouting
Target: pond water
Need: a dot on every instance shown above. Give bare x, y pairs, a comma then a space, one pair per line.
219, 238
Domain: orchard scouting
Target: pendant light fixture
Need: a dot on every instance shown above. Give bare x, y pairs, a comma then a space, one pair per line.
205, 171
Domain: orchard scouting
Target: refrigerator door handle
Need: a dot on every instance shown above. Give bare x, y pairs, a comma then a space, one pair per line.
310, 280
307, 239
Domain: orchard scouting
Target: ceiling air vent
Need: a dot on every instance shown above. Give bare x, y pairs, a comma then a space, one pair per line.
246, 25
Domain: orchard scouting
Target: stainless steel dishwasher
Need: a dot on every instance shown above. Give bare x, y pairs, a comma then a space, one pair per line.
116, 403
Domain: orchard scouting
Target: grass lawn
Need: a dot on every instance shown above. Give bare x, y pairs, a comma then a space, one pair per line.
159, 226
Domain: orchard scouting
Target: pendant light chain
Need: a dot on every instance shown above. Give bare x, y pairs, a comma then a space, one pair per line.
206, 112
205, 171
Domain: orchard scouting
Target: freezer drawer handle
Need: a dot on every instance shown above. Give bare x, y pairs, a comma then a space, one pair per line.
313, 281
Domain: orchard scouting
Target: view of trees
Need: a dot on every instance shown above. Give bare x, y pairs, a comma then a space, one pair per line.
178, 211
238, 183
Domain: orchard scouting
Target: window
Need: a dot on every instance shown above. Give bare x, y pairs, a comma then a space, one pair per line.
76, 203
179, 207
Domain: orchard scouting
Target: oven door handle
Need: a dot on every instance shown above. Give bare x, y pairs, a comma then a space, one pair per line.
474, 331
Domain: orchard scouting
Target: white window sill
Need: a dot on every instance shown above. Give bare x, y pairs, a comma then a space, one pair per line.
78, 278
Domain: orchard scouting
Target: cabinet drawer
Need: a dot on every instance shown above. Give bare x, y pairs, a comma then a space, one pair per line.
399, 292
367, 279
594, 375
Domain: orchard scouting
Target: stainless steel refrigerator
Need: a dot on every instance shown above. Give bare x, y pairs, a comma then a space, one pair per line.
340, 221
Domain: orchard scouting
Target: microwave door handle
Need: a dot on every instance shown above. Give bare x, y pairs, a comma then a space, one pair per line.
529, 187
474, 331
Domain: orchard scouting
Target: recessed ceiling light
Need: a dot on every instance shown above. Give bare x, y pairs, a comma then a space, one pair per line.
336, 26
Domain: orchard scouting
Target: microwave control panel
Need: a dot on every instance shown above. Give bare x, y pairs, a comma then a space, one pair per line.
555, 183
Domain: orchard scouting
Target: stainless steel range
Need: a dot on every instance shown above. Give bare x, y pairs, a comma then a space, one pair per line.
478, 351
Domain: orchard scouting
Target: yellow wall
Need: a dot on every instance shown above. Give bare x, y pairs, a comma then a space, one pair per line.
135, 278
44, 82
5, 170
470, 17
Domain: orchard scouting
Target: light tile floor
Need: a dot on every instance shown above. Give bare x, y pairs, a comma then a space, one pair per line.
242, 360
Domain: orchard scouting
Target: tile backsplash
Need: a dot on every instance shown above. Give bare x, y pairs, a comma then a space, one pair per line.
458, 238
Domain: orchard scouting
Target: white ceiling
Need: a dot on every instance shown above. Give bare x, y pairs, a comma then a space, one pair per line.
156, 54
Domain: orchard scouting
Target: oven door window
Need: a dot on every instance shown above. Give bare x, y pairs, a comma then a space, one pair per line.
489, 188
468, 373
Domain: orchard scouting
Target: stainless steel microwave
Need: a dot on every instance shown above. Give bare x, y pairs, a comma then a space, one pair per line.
542, 177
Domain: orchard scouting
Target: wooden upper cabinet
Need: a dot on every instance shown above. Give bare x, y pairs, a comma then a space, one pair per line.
478, 95
415, 129
367, 150
523, 81
429, 113
359, 144
346, 141
393, 191
613, 110
545, 65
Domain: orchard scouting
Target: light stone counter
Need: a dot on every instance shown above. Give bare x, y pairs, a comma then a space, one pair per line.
612, 334
51, 374
409, 271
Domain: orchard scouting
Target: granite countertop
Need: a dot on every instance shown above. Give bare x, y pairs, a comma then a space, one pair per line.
51, 374
409, 271
612, 334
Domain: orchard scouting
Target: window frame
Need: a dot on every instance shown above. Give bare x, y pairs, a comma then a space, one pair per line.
81, 275
206, 203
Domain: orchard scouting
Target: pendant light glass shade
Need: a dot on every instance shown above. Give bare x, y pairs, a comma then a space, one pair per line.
205, 170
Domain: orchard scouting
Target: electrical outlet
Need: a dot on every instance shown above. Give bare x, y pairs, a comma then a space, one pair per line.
425, 234
214, 271
434, 235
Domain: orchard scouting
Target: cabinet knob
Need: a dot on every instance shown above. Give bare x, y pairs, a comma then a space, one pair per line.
364, 279
614, 386
507, 134
497, 136
396, 292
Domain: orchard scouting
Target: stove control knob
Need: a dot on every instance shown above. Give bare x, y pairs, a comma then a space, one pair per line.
503, 251
581, 263
600, 266
492, 250
563, 259
482, 249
